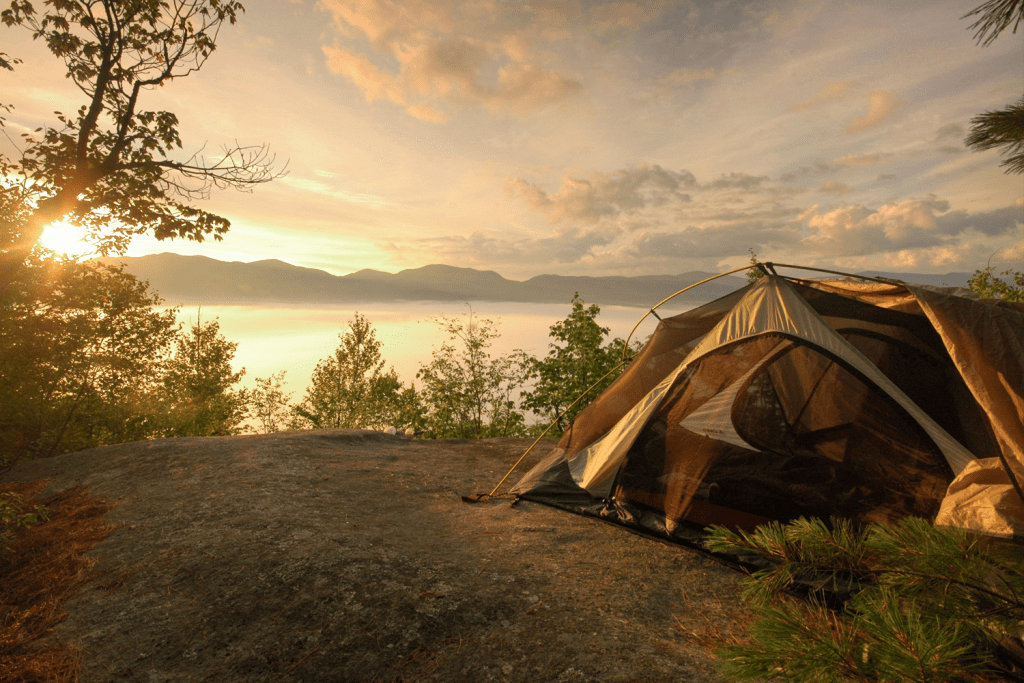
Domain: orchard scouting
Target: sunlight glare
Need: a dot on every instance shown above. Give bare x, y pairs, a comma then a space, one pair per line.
66, 239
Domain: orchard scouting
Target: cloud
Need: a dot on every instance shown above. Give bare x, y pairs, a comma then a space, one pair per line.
862, 159
618, 16
881, 104
913, 234
367, 77
426, 113
600, 196
324, 189
565, 245
992, 223
935, 257
453, 54
951, 130
632, 209
716, 242
830, 92
834, 187
524, 87
1013, 253
742, 181
913, 224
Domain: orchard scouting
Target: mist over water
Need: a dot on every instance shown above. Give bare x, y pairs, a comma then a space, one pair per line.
295, 338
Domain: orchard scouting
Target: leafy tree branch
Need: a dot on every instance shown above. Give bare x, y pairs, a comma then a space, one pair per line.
110, 166
1005, 127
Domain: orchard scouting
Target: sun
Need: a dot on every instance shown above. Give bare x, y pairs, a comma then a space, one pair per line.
66, 239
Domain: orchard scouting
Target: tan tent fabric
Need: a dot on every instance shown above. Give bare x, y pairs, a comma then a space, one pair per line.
982, 500
986, 342
893, 296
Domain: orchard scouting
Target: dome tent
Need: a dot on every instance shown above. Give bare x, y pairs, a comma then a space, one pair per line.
789, 397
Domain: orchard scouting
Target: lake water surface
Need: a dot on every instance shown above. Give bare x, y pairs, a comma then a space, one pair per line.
295, 338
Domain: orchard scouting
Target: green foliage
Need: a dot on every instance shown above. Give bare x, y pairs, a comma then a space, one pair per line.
466, 393
753, 272
995, 17
196, 394
988, 285
919, 603
13, 515
351, 390
572, 366
1001, 128
270, 404
1005, 127
80, 353
110, 167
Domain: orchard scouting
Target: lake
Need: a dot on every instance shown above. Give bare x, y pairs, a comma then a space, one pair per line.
295, 338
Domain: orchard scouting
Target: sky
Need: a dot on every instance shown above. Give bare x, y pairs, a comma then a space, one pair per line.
594, 138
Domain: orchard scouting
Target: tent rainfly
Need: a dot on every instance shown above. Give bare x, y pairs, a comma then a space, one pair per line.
866, 400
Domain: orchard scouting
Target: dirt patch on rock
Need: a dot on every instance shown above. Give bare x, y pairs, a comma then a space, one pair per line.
348, 556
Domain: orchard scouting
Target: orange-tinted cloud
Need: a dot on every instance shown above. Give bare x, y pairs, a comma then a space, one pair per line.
600, 195
857, 230
451, 54
367, 77
881, 104
834, 187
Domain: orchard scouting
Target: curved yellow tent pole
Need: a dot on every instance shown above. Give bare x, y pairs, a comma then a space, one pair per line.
767, 264
625, 346
884, 280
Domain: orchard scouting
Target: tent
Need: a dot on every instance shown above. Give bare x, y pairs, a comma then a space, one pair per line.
806, 397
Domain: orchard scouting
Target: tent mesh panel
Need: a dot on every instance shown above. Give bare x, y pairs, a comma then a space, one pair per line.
820, 441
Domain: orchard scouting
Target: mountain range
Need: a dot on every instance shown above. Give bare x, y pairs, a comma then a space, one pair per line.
203, 280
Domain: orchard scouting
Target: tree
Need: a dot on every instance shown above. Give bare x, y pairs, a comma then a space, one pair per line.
900, 602
110, 166
754, 273
80, 352
988, 285
270, 404
571, 368
466, 393
1005, 127
351, 390
197, 393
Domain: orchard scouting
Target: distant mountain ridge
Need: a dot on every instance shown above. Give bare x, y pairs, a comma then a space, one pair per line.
203, 280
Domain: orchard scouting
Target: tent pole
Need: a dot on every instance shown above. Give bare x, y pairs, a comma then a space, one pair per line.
553, 422
837, 272
762, 267
625, 347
